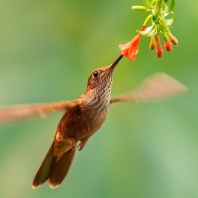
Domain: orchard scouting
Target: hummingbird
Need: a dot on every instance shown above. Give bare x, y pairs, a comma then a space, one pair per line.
84, 116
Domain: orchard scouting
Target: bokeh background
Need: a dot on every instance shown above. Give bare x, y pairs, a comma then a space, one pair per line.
144, 150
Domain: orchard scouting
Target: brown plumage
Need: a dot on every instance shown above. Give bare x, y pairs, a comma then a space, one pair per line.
83, 117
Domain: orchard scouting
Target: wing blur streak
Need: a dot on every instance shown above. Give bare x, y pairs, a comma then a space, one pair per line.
157, 87
21, 112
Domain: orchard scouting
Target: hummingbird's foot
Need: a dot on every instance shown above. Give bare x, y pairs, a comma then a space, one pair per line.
82, 144
72, 143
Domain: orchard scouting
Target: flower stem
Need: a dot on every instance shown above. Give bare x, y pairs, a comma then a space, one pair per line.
147, 19
157, 8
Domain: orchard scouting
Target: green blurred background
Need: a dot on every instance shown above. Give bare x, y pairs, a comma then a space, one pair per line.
144, 150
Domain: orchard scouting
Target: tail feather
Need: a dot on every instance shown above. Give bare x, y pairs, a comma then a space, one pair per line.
53, 168
61, 169
45, 169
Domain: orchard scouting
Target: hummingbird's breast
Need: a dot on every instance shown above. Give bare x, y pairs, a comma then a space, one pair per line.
85, 120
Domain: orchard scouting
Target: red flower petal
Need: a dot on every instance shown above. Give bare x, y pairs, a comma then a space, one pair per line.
133, 58
124, 48
136, 40
133, 50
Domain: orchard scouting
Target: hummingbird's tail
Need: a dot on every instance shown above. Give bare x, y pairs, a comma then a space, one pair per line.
61, 169
53, 168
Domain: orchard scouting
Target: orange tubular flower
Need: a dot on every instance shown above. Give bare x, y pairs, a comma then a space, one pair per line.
130, 49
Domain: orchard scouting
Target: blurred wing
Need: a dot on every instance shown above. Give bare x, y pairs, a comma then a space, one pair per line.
15, 113
159, 86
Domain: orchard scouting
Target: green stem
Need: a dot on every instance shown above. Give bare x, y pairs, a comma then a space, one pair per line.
157, 8
147, 4
147, 20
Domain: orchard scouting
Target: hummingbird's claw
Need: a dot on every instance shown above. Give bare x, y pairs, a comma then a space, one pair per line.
81, 146
82, 143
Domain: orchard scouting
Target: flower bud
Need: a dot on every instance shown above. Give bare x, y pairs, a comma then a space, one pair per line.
139, 8
152, 43
168, 46
173, 39
159, 50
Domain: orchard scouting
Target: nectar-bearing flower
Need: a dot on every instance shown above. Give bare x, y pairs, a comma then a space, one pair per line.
130, 49
156, 25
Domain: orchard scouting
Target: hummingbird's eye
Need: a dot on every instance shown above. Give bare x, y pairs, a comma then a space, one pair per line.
95, 74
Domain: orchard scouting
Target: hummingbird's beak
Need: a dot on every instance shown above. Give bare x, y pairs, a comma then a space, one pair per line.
116, 62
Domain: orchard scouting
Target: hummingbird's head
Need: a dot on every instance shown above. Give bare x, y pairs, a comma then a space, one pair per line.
101, 79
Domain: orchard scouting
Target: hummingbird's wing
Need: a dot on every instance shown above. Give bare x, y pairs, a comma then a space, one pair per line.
158, 86
15, 113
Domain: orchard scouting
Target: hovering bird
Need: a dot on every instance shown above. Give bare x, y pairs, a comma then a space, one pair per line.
84, 116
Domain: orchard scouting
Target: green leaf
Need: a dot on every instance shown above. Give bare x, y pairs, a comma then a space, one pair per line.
172, 5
